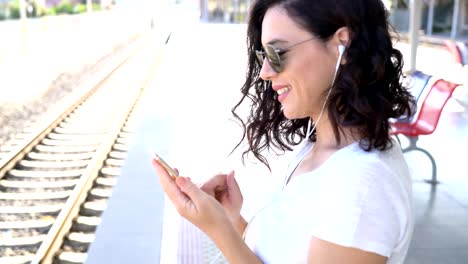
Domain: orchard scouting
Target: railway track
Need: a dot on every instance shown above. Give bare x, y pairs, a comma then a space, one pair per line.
55, 183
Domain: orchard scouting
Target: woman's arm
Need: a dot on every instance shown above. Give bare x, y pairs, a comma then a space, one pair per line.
230, 242
240, 225
324, 252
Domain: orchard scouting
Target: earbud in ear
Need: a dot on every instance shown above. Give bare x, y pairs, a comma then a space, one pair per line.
341, 49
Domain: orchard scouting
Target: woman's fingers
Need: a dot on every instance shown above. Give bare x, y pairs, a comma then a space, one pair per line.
232, 185
191, 202
190, 189
234, 198
215, 183
169, 185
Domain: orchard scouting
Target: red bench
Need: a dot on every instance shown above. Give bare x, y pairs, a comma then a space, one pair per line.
431, 102
458, 50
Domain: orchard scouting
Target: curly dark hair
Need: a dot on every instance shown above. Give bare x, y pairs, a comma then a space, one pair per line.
368, 90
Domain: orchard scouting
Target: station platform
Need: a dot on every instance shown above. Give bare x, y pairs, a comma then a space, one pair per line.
188, 122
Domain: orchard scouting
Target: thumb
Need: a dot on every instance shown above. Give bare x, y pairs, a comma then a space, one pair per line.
190, 189
233, 186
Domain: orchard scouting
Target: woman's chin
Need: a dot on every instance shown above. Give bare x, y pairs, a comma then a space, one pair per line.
288, 114
291, 115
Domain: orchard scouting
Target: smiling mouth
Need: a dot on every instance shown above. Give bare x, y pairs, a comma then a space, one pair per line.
283, 90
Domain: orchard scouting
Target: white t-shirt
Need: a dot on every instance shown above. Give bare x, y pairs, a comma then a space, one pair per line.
355, 199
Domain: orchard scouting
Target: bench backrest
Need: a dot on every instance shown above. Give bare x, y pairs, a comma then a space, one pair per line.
458, 50
463, 49
418, 83
433, 104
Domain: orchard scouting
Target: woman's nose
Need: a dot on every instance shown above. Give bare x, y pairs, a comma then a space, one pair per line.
266, 72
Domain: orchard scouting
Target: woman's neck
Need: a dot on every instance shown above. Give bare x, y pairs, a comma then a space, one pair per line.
326, 139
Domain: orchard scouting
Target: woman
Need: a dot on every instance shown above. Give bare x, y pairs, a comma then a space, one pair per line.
324, 73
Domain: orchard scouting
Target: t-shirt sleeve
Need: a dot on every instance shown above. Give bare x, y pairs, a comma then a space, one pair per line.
363, 210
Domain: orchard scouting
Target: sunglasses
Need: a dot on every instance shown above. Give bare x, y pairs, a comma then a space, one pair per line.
273, 55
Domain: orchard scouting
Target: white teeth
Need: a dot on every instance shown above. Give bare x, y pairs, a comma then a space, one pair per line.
283, 90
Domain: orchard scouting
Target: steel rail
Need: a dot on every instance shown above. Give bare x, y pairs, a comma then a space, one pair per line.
52, 243
52, 120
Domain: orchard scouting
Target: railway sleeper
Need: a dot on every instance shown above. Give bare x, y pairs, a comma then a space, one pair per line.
83, 129
7, 148
59, 195
110, 171
99, 193
65, 149
45, 173
73, 137
76, 142
22, 259
124, 134
66, 257
52, 165
118, 155
85, 224
121, 147
60, 156
23, 243
93, 208
122, 140
38, 184
79, 241
114, 162
15, 142
128, 129
106, 182
62, 130
50, 209
38, 225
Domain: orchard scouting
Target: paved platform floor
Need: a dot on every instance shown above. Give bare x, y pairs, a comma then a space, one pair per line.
188, 121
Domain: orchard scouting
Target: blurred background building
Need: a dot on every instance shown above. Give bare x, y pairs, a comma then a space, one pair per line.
11, 9
227, 11
445, 18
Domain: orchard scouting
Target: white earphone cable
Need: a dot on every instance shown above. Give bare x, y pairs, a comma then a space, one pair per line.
341, 51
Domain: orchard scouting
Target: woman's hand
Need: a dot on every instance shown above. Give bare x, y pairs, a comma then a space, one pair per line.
209, 215
192, 203
226, 191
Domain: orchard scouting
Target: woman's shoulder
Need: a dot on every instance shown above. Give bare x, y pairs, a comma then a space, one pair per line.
354, 160
354, 166
354, 171
357, 191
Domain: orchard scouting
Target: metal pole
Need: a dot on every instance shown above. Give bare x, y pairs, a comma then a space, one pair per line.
415, 24
236, 7
247, 10
89, 6
456, 8
23, 17
22, 9
430, 18
204, 10
226, 11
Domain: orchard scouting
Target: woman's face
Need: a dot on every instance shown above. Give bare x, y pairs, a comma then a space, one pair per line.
307, 69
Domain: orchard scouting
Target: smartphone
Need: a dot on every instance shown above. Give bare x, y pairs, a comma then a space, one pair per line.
168, 168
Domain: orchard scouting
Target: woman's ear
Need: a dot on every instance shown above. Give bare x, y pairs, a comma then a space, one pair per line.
341, 38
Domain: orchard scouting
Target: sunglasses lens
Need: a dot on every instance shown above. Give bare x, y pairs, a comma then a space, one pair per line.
260, 56
273, 58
